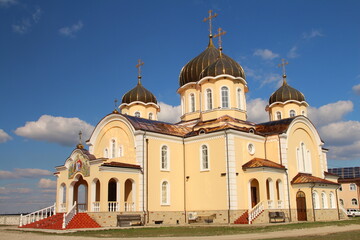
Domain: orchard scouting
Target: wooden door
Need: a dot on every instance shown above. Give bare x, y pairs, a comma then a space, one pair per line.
253, 196
301, 206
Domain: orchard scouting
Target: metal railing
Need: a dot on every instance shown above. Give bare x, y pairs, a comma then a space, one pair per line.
82, 207
270, 204
280, 204
255, 211
62, 207
67, 217
37, 215
113, 206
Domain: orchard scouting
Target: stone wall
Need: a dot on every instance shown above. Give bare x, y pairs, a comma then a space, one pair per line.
9, 219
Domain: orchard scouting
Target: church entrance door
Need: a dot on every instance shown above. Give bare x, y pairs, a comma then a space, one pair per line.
80, 194
254, 191
301, 206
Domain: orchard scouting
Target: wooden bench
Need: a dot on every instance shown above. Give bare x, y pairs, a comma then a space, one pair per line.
127, 220
276, 217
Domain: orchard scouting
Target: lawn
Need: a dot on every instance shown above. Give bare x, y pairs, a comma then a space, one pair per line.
206, 230
353, 235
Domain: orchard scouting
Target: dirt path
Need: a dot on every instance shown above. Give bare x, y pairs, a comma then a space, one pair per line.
23, 235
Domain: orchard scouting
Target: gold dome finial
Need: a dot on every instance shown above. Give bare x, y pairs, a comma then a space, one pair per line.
138, 66
210, 21
80, 146
220, 33
115, 103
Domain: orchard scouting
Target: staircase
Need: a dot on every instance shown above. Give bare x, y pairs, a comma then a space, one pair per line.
53, 222
82, 220
243, 219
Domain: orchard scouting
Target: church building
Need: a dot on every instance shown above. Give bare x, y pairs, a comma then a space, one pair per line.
212, 166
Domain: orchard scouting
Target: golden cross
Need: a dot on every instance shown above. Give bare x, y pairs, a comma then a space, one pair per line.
138, 66
220, 33
210, 21
80, 135
115, 102
282, 64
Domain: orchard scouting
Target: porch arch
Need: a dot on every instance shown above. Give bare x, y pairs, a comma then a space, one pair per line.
129, 195
113, 195
95, 195
254, 192
79, 189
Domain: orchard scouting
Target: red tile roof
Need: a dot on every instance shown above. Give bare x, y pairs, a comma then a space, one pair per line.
121, 165
260, 162
331, 174
308, 178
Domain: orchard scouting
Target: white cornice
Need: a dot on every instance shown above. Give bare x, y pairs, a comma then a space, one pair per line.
118, 169
139, 102
289, 101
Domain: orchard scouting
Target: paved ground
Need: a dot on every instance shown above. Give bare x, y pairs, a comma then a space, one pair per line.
23, 235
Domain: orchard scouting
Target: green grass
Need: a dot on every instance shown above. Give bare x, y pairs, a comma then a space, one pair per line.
180, 231
353, 235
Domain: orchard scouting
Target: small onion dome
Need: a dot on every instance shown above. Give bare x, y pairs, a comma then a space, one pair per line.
286, 93
191, 71
139, 93
223, 65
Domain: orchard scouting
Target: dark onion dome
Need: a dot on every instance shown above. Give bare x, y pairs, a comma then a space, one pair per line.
286, 93
139, 93
191, 71
223, 65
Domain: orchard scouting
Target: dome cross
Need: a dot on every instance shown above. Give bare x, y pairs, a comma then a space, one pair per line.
220, 33
283, 64
210, 20
138, 66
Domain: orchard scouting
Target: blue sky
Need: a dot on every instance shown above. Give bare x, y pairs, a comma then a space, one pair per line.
62, 64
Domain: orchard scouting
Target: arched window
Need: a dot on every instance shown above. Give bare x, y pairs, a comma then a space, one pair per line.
150, 116
121, 151
352, 187
224, 97
137, 114
324, 203
192, 102
354, 201
292, 113
278, 115
332, 200
316, 200
239, 99
341, 202
208, 99
164, 158
165, 193
106, 153
304, 158
113, 143
204, 158
340, 188
303, 113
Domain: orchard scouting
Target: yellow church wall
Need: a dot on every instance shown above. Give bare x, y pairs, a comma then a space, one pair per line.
122, 135
143, 109
174, 175
285, 109
272, 149
206, 189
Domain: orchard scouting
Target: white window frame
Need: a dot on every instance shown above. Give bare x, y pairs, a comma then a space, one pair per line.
239, 98
315, 197
209, 104
112, 148
167, 202
202, 158
324, 201
292, 111
303, 156
356, 202
137, 114
222, 98
167, 167
278, 115
121, 150
106, 153
332, 200
192, 102
352, 187
151, 116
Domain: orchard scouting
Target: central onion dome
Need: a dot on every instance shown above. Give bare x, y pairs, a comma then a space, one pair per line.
223, 65
286, 93
139, 93
191, 71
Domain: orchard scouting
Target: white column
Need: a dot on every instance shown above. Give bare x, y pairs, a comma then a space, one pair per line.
232, 172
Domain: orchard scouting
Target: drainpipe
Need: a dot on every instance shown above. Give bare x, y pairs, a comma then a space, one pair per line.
312, 200
184, 178
228, 175
147, 180
143, 178
337, 201
287, 180
265, 146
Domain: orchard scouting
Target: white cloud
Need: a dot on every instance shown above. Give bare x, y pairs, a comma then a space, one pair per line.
61, 130
272, 78
293, 52
256, 110
169, 113
46, 183
312, 34
356, 89
4, 137
346, 152
24, 173
265, 54
25, 25
329, 113
6, 3
4, 190
71, 30
341, 133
